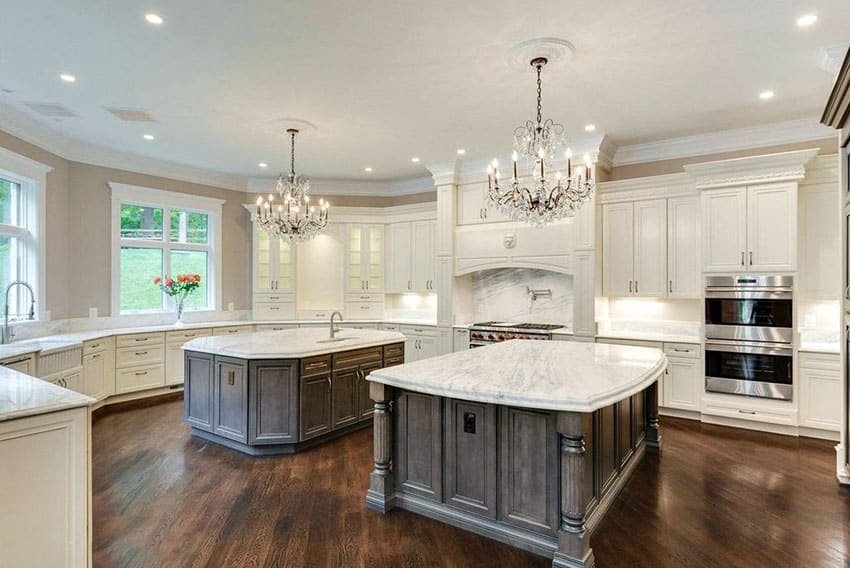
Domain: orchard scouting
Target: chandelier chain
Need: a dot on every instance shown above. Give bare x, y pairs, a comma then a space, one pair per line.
539, 96
292, 154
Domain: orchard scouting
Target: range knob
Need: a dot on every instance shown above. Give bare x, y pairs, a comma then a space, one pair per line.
501, 338
490, 336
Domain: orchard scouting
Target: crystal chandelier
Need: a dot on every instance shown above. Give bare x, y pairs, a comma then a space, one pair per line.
294, 218
549, 196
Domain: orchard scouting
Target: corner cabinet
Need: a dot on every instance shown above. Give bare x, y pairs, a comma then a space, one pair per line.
364, 258
750, 229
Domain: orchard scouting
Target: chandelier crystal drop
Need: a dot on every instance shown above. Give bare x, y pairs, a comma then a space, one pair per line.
294, 218
550, 194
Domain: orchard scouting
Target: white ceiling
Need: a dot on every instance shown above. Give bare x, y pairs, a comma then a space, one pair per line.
385, 81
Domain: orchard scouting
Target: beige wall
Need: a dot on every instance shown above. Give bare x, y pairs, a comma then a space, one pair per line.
827, 146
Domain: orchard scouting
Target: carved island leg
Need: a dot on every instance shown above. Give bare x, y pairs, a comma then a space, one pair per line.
381, 494
573, 538
653, 433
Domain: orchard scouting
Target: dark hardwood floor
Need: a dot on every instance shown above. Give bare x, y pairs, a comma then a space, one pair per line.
716, 497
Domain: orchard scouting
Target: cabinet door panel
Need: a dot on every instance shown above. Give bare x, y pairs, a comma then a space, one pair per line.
315, 409
428, 347
683, 248
470, 442
374, 259
724, 229
199, 391
470, 204
355, 254
419, 443
273, 403
683, 384
95, 375
423, 255
344, 391
772, 227
266, 255
230, 413
399, 260
617, 249
650, 246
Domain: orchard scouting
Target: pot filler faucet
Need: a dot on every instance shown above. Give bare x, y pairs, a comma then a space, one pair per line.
7, 333
333, 330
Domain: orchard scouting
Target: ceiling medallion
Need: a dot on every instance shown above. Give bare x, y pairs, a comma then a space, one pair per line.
549, 196
294, 218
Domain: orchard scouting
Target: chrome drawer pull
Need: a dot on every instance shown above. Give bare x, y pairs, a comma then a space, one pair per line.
747, 411
141, 373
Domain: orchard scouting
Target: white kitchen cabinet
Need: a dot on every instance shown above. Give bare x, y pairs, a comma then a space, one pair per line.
473, 206
750, 229
24, 364
820, 391
461, 339
364, 254
420, 342
683, 248
71, 379
174, 358
273, 264
634, 248
683, 380
820, 242
410, 248
99, 368
44, 489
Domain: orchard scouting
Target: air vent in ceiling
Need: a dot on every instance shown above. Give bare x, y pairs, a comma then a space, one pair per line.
131, 114
50, 110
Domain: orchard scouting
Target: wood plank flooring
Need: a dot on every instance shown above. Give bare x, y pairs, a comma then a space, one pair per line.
716, 497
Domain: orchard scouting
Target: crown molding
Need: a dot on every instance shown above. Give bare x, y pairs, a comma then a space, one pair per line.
822, 170
445, 173
784, 166
358, 188
837, 110
653, 187
788, 132
25, 163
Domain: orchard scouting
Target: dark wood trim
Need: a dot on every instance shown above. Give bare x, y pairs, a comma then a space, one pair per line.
837, 109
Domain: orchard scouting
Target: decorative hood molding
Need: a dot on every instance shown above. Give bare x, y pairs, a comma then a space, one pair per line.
785, 166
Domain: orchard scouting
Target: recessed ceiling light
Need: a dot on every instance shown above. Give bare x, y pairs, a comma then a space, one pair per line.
67, 78
766, 95
590, 127
263, 165
153, 18
807, 20
148, 136
461, 151
367, 169
415, 159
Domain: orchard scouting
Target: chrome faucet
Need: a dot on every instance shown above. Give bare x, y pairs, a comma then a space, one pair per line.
333, 329
7, 333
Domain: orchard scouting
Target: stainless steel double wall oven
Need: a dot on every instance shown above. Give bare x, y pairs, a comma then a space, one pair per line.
749, 335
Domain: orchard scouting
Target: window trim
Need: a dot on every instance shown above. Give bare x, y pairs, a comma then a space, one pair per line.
31, 175
137, 195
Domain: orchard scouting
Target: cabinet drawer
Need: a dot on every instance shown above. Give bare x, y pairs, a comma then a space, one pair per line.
142, 355
395, 350
275, 326
274, 310
355, 358
389, 326
140, 378
98, 345
418, 330
684, 350
273, 297
315, 365
232, 330
824, 361
140, 339
630, 342
748, 410
364, 310
393, 361
364, 297
315, 314
186, 335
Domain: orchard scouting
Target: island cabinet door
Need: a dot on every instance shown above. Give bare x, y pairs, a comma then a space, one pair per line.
344, 391
470, 442
315, 406
273, 402
199, 392
230, 413
419, 448
528, 469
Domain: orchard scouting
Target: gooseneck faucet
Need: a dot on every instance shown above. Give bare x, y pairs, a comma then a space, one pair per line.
333, 329
7, 333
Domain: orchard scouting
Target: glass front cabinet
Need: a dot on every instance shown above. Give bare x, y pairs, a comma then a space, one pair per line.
364, 253
273, 264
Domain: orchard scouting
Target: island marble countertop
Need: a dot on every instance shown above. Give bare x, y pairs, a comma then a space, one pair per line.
548, 375
290, 343
22, 395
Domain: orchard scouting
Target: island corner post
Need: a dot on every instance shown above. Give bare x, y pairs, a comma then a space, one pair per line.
586, 480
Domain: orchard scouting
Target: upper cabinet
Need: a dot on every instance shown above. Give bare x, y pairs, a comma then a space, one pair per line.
410, 256
273, 264
750, 229
473, 207
364, 253
683, 245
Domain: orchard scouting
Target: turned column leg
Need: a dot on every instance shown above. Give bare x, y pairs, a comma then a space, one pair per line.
573, 538
381, 494
653, 433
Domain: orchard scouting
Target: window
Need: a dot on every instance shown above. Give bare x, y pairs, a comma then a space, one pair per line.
159, 233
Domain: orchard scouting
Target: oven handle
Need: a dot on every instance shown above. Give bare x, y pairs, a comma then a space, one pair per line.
749, 294
754, 348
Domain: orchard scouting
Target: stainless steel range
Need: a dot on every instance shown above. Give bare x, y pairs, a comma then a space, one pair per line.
495, 331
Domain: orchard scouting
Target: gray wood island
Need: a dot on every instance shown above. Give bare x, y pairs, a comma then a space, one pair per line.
525, 442
277, 392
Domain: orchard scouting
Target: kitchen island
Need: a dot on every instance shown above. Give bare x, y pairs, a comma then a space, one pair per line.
277, 392
526, 442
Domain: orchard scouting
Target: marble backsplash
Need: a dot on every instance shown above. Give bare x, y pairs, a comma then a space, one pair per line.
502, 295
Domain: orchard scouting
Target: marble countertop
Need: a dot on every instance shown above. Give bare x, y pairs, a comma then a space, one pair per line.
290, 343
548, 375
649, 336
22, 395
